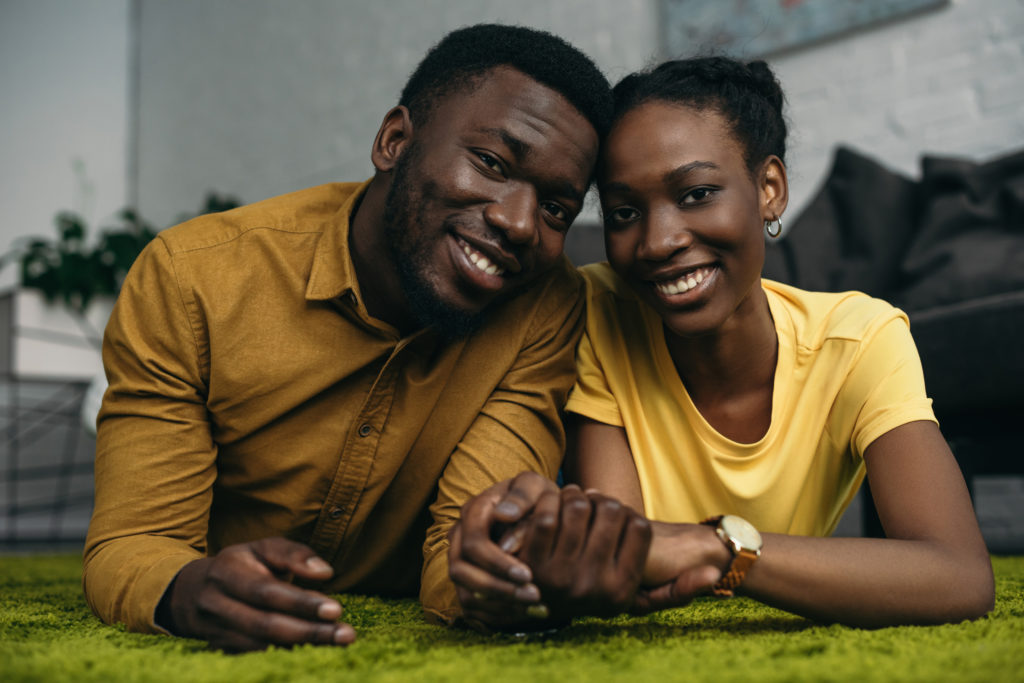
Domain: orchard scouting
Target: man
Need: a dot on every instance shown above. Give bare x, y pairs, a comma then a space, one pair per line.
305, 391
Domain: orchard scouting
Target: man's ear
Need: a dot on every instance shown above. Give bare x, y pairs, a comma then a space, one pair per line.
394, 136
774, 188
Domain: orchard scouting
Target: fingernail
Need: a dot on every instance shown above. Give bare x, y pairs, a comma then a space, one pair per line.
318, 565
538, 611
507, 508
520, 574
342, 635
328, 611
510, 543
527, 593
477, 595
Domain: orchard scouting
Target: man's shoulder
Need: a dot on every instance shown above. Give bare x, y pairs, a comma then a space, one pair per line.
310, 210
555, 299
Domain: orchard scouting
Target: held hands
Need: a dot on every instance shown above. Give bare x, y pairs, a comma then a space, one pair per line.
587, 552
243, 599
525, 551
523, 539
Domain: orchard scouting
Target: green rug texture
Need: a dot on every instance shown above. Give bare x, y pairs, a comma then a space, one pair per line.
47, 633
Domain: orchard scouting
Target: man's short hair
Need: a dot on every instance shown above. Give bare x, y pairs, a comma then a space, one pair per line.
456, 63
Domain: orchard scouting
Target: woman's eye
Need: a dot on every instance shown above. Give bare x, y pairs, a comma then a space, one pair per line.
697, 195
623, 214
490, 162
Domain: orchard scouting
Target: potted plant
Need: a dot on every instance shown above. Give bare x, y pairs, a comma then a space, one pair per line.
71, 274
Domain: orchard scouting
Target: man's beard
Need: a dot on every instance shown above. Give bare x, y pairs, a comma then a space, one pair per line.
410, 249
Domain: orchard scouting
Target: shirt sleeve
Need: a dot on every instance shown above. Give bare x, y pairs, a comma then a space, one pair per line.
519, 429
887, 382
155, 456
591, 396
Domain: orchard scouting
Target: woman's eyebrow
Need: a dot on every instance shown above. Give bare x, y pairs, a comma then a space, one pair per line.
681, 172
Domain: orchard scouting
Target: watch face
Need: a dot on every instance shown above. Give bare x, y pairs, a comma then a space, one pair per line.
741, 531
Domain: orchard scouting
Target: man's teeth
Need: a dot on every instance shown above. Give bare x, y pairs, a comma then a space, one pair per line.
482, 262
685, 283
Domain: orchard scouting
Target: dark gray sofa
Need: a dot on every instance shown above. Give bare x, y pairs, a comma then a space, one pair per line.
948, 250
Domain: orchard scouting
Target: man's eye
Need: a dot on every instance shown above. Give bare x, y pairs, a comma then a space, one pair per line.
556, 211
490, 162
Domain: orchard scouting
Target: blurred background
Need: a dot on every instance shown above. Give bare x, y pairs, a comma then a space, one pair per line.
172, 107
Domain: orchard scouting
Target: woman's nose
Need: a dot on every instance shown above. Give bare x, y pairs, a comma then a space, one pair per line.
663, 236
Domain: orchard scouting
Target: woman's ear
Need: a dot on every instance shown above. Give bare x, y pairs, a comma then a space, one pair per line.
393, 137
774, 188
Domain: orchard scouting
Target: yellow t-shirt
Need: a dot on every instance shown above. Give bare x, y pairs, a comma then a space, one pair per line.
848, 372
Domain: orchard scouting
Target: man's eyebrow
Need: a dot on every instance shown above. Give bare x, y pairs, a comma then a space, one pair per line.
519, 148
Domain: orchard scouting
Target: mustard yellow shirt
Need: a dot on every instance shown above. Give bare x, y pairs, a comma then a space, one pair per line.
847, 372
252, 395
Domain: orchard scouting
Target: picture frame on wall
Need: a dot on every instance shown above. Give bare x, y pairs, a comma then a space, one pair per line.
757, 28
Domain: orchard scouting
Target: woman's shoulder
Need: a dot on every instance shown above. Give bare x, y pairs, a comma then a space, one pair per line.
820, 316
601, 280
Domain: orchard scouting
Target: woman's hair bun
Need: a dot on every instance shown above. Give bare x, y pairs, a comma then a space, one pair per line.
767, 85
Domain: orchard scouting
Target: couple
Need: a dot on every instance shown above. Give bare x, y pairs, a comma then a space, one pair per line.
309, 394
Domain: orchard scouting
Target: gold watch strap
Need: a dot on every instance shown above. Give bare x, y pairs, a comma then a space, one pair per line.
738, 567
741, 562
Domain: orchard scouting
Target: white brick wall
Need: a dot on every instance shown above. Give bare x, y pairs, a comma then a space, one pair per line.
945, 82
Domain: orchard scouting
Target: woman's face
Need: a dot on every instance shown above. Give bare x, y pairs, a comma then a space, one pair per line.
684, 217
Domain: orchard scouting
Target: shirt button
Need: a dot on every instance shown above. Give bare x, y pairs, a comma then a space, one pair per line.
336, 512
365, 429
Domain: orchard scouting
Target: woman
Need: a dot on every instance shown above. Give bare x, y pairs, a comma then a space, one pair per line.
704, 390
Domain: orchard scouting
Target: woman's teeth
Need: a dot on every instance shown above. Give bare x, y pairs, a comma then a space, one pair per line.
682, 284
482, 262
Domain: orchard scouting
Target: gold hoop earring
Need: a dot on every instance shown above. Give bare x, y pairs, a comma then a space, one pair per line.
778, 227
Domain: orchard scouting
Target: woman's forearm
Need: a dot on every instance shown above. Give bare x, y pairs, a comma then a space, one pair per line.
871, 582
857, 581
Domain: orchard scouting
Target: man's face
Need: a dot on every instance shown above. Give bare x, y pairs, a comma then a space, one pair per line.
483, 194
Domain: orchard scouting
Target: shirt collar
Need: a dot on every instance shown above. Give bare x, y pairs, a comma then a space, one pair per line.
333, 274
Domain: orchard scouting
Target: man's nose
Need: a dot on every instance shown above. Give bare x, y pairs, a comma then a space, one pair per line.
515, 214
663, 236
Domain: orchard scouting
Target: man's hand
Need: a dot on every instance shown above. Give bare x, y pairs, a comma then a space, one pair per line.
494, 587
586, 551
243, 599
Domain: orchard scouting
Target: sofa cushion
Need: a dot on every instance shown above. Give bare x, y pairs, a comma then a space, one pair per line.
853, 233
970, 242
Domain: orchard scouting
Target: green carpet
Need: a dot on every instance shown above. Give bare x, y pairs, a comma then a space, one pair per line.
48, 634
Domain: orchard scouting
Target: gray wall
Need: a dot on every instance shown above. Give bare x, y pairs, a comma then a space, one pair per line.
260, 97
63, 79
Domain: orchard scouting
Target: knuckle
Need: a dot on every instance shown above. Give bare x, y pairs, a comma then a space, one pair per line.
262, 626
457, 572
472, 546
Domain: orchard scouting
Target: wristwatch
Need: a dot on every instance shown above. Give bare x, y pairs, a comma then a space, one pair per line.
744, 541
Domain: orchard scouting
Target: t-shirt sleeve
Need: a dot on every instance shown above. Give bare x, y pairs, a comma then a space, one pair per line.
888, 384
591, 395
